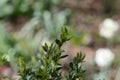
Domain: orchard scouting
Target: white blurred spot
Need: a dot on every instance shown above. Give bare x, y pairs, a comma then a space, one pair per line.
107, 28
104, 57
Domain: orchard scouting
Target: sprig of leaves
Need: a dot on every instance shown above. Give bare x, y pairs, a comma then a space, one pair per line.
76, 69
48, 63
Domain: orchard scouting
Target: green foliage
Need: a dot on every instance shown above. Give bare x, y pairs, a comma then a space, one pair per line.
77, 36
11, 48
42, 14
76, 69
52, 22
6, 43
48, 63
25, 7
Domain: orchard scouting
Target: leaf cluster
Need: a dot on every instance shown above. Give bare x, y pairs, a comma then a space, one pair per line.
48, 63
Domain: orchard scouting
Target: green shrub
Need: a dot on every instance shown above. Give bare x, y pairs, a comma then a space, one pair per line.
45, 64
48, 67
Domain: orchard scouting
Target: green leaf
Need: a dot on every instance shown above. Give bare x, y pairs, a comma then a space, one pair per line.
44, 48
63, 56
58, 42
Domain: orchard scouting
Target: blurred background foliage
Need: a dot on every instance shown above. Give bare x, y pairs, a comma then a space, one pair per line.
25, 25
43, 22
